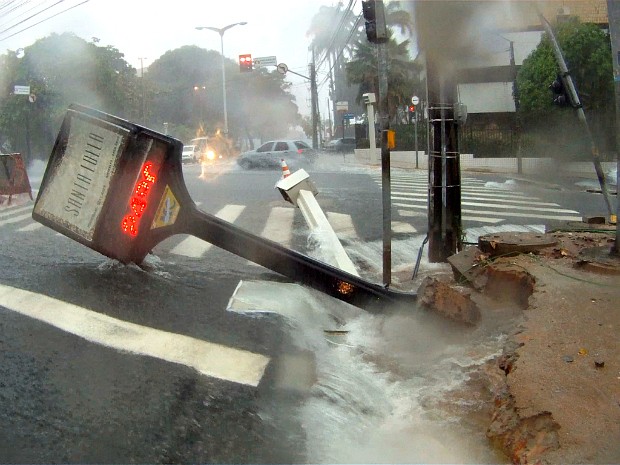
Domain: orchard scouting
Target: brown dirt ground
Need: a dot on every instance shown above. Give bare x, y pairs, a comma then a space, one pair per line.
572, 322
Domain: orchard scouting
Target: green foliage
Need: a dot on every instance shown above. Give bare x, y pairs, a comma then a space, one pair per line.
60, 70
587, 51
363, 69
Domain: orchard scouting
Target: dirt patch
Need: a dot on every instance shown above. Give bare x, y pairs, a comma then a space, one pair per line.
556, 388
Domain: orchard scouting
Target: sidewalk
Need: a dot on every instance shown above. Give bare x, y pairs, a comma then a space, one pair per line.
531, 167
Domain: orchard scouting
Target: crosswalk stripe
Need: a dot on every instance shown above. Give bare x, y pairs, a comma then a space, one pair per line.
493, 213
31, 227
485, 197
342, 224
210, 359
499, 206
403, 228
16, 219
279, 225
194, 247
13, 210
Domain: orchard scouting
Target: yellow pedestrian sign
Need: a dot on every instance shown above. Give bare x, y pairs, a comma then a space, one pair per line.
167, 211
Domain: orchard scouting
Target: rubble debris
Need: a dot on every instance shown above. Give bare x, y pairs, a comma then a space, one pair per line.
448, 300
514, 243
599, 363
508, 282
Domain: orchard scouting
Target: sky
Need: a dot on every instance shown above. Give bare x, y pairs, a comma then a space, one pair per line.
147, 29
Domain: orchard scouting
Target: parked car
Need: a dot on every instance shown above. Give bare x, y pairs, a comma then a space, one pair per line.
296, 153
189, 154
345, 145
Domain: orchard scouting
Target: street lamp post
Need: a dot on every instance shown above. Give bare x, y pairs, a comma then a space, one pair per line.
221, 32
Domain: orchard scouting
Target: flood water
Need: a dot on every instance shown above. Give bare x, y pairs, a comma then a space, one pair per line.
383, 388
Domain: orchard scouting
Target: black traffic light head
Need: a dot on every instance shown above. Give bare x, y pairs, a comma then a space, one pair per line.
245, 63
560, 94
374, 14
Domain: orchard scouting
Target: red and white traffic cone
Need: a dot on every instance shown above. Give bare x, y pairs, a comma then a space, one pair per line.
285, 171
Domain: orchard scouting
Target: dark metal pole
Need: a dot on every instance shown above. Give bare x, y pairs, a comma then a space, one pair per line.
314, 98
415, 126
444, 215
613, 13
385, 164
515, 96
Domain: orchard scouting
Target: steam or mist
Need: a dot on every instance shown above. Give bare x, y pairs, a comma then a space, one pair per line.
455, 31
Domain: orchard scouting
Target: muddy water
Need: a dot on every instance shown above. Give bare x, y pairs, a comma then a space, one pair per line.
388, 388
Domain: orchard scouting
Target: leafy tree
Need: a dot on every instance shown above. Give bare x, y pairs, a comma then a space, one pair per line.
363, 69
587, 51
60, 70
186, 87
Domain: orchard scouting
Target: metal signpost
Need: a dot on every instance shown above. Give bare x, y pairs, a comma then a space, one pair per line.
118, 188
415, 101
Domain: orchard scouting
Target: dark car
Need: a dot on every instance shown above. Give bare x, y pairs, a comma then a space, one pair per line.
345, 145
296, 153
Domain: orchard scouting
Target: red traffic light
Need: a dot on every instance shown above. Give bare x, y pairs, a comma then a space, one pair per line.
245, 62
411, 108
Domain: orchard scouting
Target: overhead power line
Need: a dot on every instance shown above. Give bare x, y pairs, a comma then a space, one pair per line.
39, 22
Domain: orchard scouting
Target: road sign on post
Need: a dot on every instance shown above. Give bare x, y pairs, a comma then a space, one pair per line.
21, 90
262, 62
118, 188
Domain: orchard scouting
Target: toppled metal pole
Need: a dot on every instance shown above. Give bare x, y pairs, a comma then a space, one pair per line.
576, 103
299, 190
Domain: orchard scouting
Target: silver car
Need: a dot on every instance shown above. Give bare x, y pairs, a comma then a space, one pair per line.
296, 153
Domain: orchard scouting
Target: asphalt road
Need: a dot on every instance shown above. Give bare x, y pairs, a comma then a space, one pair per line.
110, 363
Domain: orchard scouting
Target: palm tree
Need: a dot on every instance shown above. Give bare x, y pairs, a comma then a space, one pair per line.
402, 72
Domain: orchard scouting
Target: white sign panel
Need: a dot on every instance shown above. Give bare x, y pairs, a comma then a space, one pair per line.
21, 90
264, 61
342, 106
80, 183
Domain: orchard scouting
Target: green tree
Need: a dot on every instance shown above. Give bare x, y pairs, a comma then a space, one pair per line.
363, 69
587, 51
60, 70
186, 91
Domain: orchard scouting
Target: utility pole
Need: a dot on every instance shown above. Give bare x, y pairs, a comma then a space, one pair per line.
314, 103
613, 15
376, 32
142, 87
444, 190
515, 96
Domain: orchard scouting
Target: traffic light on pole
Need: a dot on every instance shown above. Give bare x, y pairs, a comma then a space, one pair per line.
560, 94
374, 14
411, 112
245, 63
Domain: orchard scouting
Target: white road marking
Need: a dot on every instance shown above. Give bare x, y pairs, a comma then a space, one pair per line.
530, 207
13, 210
16, 219
492, 213
506, 198
195, 248
401, 227
342, 224
31, 227
279, 227
214, 360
